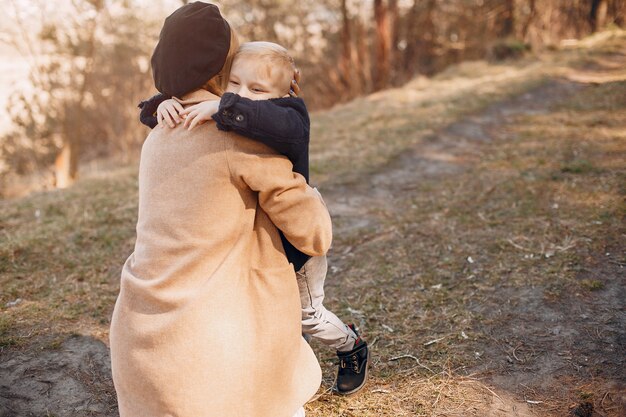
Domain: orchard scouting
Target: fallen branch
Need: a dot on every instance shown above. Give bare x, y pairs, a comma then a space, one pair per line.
381, 391
515, 356
414, 358
489, 389
434, 341
515, 245
316, 397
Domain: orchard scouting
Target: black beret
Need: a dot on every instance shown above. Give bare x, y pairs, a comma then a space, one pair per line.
192, 49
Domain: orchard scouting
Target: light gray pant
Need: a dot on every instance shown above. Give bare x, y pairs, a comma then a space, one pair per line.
318, 322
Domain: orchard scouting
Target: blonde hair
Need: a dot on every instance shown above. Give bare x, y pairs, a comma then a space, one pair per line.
280, 67
217, 85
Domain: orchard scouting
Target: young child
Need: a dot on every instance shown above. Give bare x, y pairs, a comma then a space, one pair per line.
261, 103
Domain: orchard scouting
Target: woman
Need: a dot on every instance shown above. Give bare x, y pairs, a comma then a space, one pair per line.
207, 322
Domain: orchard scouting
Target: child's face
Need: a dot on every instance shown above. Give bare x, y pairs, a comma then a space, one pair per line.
252, 79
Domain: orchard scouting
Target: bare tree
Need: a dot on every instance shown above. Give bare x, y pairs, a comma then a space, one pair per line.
507, 19
383, 45
597, 14
90, 66
531, 13
364, 57
420, 51
394, 35
346, 61
86, 78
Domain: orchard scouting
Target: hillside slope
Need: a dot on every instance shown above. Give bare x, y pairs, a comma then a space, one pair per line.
478, 244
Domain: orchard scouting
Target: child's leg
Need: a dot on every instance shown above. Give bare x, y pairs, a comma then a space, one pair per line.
316, 320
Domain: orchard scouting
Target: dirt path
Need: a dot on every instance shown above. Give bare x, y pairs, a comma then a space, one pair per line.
446, 153
73, 380
560, 353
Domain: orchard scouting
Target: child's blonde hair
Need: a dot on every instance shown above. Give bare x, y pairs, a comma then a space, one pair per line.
217, 85
280, 67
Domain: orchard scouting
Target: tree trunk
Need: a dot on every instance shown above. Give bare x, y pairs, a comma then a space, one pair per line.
411, 40
383, 43
532, 12
421, 39
345, 64
66, 162
394, 35
428, 40
66, 165
597, 15
618, 12
507, 27
363, 58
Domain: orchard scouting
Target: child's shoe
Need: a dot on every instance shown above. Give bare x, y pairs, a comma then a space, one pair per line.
352, 372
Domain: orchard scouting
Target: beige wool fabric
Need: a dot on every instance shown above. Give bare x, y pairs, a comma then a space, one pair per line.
207, 321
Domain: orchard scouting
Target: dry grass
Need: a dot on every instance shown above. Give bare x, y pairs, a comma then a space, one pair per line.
438, 265
533, 209
60, 257
363, 135
439, 395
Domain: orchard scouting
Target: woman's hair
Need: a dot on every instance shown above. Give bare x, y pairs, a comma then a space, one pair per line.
280, 67
217, 85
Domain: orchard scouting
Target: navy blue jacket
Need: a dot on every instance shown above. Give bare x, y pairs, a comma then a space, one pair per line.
281, 123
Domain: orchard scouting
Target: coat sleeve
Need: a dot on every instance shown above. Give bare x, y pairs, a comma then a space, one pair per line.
148, 107
293, 206
282, 124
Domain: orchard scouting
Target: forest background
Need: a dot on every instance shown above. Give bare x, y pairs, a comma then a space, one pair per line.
73, 71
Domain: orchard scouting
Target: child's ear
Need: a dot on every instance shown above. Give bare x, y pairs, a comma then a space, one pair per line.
295, 88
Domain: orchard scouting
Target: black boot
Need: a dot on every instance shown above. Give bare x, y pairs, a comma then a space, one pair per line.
352, 372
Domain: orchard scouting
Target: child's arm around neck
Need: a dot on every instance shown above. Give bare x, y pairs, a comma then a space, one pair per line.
148, 107
276, 120
282, 123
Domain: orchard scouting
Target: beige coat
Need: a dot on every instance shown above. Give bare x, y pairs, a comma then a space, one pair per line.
207, 322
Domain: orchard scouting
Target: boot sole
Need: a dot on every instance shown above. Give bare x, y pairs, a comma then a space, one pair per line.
354, 391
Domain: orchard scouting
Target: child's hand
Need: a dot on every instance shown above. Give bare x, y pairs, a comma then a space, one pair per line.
199, 113
168, 112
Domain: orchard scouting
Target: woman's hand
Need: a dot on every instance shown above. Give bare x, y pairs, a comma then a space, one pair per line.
169, 112
199, 113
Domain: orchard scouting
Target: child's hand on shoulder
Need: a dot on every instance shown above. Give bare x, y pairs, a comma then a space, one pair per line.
199, 113
169, 112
